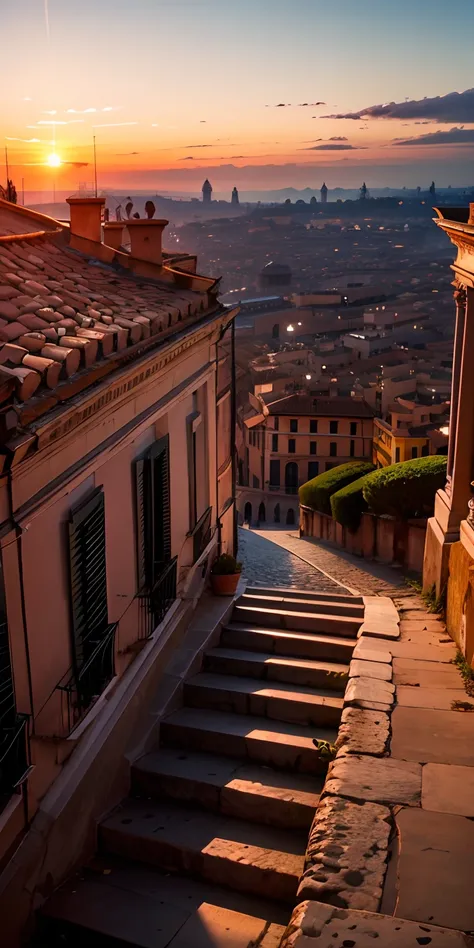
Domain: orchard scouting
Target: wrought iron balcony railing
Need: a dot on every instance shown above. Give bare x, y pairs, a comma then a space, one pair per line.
201, 534
156, 602
14, 755
83, 686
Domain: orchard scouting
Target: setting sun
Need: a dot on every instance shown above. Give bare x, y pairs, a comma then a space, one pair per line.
53, 161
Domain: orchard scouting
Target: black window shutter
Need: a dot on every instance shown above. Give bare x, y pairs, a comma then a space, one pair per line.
88, 576
153, 513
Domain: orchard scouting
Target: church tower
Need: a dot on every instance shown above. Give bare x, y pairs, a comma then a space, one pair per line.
235, 196
207, 192
324, 194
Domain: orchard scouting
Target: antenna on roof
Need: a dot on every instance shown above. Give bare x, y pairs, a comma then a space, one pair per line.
95, 166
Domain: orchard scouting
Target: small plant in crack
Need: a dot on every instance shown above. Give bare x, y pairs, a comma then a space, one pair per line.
327, 751
467, 673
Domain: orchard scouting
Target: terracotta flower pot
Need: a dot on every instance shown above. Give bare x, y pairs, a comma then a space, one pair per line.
224, 585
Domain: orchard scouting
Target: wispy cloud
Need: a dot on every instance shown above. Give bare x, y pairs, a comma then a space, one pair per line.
114, 124
125, 154
330, 146
303, 105
453, 107
197, 146
455, 136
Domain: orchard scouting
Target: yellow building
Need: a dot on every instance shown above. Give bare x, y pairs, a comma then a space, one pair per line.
392, 444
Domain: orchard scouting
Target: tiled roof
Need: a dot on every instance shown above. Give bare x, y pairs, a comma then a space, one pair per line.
66, 319
336, 406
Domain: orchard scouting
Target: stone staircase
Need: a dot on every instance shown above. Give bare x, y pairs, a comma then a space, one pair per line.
209, 847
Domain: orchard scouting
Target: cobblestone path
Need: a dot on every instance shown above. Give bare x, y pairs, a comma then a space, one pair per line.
269, 564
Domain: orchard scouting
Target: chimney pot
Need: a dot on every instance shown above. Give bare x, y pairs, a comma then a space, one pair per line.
86, 217
113, 234
146, 239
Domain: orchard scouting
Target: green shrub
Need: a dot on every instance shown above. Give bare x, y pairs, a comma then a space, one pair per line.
406, 489
317, 492
348, 504
226, 565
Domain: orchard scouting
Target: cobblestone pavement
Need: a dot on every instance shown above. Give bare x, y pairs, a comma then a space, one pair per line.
266, 564
358, 575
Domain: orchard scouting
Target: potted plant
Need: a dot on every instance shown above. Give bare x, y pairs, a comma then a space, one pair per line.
225, 575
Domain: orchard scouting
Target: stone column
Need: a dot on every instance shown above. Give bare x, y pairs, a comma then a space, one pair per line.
460, 297
463, 453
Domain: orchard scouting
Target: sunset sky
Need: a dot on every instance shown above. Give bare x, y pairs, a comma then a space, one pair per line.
237, 90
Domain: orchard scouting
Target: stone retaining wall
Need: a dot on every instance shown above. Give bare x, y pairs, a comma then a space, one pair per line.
382, 538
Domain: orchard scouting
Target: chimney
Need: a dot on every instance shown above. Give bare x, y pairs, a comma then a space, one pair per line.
145, 239
113, 234
86, 214
471, 214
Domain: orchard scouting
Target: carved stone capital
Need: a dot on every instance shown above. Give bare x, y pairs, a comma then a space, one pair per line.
460, 294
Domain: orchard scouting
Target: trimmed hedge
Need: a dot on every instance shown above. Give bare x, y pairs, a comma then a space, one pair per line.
317, 493
348, 504
406, 490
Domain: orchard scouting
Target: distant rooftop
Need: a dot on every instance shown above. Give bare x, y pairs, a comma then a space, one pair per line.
337, 405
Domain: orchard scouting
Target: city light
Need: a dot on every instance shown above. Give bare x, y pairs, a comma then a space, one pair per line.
290, 328
308, 378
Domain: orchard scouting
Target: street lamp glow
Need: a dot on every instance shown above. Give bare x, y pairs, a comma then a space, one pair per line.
308, 377
290, 328
53, 161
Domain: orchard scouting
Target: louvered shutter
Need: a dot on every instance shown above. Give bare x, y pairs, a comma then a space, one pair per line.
142, 472
88, 576
160, 505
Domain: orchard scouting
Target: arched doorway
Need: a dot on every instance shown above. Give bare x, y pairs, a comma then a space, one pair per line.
291, 477
262, 513
290, 517
276, 331
248, 512
276, 515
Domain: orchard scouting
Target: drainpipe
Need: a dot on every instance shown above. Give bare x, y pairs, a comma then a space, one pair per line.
233, 414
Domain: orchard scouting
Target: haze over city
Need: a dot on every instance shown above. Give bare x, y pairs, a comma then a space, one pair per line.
260, 95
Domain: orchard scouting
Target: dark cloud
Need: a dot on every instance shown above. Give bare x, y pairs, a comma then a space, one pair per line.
303, 105
203, 121
338, 138
125, 154
454, 107
455, 136
197, 146
332, 147
189, 158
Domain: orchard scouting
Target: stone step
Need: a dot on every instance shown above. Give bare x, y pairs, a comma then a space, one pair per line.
115, 904
312, 605
264, 665
222, 784
280, 702
290, 643
234, 853
303, 594
298, 621
274, 743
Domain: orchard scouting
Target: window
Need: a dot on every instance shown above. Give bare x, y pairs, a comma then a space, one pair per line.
353, 428
414, 452
352, 449
13, 742
255, 481
329, 466
291, 446
154, 512
313, 445
333, 427
333, 449
274, 473
88, 576
425, 450
293, 425
313, 469
313, 426
397, 455
275, 442
276, 423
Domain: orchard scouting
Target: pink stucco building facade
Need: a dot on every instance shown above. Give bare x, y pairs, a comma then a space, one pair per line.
116, 491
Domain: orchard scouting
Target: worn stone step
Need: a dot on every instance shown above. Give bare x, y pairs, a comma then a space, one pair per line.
275, 743
291, 643
298, 621
303, 594
117, 904
268, 667
234, 853
226, 785
281, 702
312, 605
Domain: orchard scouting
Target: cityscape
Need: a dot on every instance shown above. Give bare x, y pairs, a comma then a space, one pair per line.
237, 474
